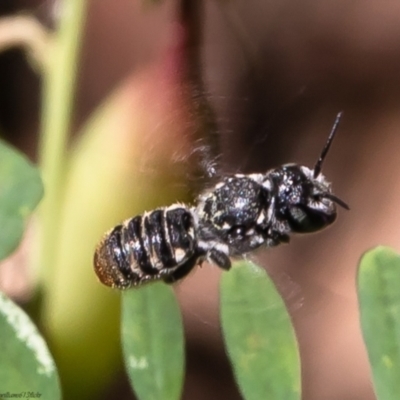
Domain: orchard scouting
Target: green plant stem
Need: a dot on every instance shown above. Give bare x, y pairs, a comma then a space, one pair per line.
58, 93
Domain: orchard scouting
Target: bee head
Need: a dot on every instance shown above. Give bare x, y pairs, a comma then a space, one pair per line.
305, 196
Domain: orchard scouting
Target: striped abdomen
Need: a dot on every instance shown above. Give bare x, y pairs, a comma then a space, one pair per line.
149, 247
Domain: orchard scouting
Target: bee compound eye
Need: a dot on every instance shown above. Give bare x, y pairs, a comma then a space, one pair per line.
306, 219
298, 215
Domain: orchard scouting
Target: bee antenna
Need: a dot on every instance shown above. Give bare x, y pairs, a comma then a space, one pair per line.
318, 165
338, 201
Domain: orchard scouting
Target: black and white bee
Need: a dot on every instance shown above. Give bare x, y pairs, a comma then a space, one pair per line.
236, 216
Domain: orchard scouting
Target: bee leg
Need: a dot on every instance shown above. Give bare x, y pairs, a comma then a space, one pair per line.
220, 259
182, 270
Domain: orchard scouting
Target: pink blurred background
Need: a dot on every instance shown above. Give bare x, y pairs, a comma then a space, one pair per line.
276, 73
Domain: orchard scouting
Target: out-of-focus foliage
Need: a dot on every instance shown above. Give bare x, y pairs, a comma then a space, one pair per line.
152, 339
130, 156
379, 297
20, 191
26, 366
258, 334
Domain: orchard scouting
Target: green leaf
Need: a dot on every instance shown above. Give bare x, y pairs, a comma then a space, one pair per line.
25, 363
20, 191
152, 338
379, 298
258, 335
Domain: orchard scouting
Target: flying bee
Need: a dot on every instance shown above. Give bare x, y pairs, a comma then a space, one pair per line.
238, 215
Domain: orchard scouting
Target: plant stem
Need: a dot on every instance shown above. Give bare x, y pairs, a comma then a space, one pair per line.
58, 94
